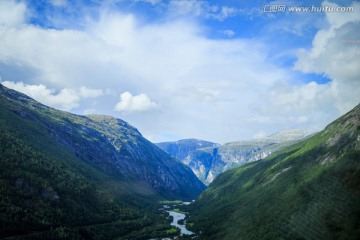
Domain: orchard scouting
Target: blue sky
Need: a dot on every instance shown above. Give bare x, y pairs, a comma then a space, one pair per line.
215, 70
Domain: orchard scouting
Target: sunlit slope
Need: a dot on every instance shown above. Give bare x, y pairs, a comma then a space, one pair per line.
310, 190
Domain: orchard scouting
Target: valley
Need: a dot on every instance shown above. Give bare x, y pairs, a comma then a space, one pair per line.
67, 176
82, 177
179, 120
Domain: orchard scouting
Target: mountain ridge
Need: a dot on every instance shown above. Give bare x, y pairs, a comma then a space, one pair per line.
100, 131
209, 160
180, 149
309, 190
81, 176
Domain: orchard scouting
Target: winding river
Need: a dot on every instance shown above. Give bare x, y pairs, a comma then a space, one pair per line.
178, 216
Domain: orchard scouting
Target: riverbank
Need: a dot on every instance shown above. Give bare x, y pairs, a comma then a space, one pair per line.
177, 219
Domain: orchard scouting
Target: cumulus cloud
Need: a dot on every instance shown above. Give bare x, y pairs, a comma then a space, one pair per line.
305, 105
137, 103
335, 54
216, 89
303, 97
174, 60
332, 54
65, 99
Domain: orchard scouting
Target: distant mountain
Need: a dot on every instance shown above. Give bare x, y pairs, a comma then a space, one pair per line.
309, 190
61, 171
286, 136
181, 149
207, 160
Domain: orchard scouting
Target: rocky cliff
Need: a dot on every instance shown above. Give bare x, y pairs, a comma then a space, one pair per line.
207, 161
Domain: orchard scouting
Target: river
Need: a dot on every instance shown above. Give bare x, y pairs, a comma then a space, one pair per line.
178, 216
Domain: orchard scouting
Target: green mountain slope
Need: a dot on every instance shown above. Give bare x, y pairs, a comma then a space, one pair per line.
307, 191
70, 176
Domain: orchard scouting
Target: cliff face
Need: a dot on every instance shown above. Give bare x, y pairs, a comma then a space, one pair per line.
207, 162
182, 148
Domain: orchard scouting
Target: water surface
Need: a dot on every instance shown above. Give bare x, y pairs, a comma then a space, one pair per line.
178, 216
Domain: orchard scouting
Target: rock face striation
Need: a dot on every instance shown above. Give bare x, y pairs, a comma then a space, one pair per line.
207, 160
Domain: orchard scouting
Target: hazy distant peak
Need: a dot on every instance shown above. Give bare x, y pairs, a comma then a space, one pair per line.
287, 135
196, 141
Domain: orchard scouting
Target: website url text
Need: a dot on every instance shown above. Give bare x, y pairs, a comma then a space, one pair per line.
274, 8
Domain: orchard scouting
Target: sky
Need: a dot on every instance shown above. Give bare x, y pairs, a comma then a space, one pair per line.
220, 71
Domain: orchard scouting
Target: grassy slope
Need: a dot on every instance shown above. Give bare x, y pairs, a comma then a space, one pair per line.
48, 191
307, 191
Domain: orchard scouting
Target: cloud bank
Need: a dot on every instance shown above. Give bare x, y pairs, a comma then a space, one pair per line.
219, 89
335, 52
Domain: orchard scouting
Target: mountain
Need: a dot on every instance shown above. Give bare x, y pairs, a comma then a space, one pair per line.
207, 160
309, 190
82, 175
181, 149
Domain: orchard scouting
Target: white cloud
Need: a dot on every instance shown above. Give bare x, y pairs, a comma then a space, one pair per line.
313, 105
215, 89
197, 81
11, 13
308, 106
137, 103
334, 55
303, 97
65, 99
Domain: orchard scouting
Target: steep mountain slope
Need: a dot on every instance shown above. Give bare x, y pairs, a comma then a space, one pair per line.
209, 160
181, 149
63, 171
307, 191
